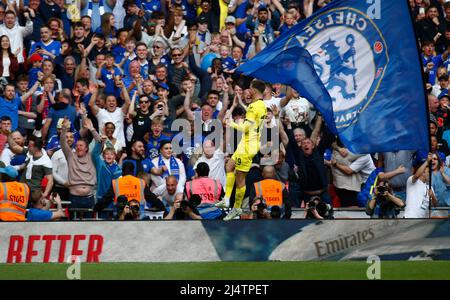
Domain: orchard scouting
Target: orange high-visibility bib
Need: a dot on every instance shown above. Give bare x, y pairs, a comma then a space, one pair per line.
14, 198
129, 186
271, 190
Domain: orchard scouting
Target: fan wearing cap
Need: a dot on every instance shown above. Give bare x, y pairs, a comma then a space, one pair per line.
443, 113
230, 26
36, 66
203, 34
145, 32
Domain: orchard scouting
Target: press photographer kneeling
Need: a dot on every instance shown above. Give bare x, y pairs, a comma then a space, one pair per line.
384, 204
259, 209
128, 210
318, 209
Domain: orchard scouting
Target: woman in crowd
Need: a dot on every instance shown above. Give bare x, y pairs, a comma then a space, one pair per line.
167, 164
9, 66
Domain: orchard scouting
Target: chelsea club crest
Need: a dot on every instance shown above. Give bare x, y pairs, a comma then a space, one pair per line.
350, 56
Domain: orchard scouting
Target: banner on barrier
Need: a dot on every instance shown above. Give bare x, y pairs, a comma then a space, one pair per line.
187, 241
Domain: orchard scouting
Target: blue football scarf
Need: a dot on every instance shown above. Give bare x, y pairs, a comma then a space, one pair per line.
174, 167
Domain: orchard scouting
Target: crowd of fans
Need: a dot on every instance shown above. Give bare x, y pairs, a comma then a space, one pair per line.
93, 98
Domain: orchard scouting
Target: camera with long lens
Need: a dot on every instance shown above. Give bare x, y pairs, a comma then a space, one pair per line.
382, 189
122, 201
193, 202
135, 208
311, 204
261, 205
185, 204
321, 208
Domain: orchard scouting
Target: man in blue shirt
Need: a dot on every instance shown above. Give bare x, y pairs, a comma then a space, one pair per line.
47, 47
142, 53
53, 143
10, 103
40, 207
60, 110
106, 72
431, 62
118, 51
155, 139
150, 5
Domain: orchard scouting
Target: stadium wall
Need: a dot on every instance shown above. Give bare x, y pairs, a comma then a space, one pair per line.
195, 241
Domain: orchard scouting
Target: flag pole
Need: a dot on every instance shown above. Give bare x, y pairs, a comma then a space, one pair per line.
426, 103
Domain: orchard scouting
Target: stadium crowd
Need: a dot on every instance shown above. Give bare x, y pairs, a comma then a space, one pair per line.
134, 108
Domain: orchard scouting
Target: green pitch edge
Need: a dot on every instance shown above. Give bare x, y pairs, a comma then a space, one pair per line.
355, 270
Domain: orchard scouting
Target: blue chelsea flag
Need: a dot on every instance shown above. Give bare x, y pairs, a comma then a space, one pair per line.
362, 73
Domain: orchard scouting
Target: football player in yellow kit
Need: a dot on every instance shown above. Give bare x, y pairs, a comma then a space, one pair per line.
239, 164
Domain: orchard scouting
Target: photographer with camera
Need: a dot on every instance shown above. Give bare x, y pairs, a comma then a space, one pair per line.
40, 210
274, 194
318, 209
128, 210
132, 188
384, 203
259, 209
183, 209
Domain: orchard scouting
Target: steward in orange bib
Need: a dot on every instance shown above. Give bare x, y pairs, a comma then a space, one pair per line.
14, 196
133, 188
209, 189
274, 192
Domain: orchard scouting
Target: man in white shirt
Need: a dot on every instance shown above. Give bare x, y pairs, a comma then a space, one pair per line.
363, 165
418, 192
167, 192
270, 100
60, 169
298, 110
215, 159
16, 33
112, 113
